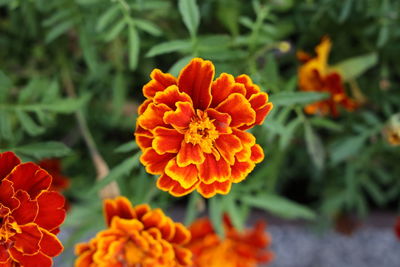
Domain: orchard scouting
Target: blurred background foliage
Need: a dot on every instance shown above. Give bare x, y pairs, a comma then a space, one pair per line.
67, 61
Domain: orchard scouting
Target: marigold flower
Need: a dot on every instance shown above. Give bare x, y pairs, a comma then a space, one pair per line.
237, 249
191, 129
136, 236
30, 214
316, 76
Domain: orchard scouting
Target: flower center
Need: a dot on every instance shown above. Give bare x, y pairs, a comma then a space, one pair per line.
8, 228
201, 131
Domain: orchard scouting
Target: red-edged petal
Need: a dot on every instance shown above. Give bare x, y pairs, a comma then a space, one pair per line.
257, 153
27, 241
30, 178
120, 207
239, 108
155, 163
50, 245
4, 257
165, 183
37, 260
221, 121
159, 81
27, 210
170, 96
189, 154
166, 140
195, 79
259, 102
183, 256
182, 235
181, 117
7, 197
240, 170
228, 145
251, 88
223, 86
153, 116
213, 170
144, 137
185, 176
142, 108
8, 160
209, 190
51, 210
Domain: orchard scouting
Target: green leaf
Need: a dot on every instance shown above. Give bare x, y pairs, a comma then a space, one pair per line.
133, 47
58, 30
326, 123
346, 148
288, 132
127, 147
234, 212
216, 212
353, 67
28, 124
5, 126
148, 27
190, 15
279, 206
168, 47
106, 18
5, 85
115, 30
42, 150
344, 14
65, 106
191, 208
314, 146
299, 98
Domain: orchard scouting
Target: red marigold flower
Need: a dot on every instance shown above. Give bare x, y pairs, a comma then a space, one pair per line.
191, 129
316, 76
237, 249
397, 228
30, 214
136, 236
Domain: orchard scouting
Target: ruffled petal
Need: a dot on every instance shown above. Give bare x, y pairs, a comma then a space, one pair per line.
142, 108
239, 108
213, 170
182, 235
166, 140
155, 163
251, 88
165, 183
220, 120
153, 116
195, 79
223, 86
159, 82
257, 153
27, 210
240, 170
49, 244
259, 103
170, 96
36, 260
228, 145
27, 241
185, 176
31, 178
120, 207
7, 197
51, 210
209, 190
4, 257
183, 256
181, 117
189, 154
8, 160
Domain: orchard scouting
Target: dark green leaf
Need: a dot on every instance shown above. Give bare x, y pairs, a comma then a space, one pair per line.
133, 47
106, 18
28, 124
59, 30
314, 146
346, 148
190, 15
299, 98
148, 26
44, 150
168, 47
353, 67
216, 212
127, 147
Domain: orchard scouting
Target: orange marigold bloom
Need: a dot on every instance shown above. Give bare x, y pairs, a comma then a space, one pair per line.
237, 249
30, 214
191, 129
316, 76
136, 236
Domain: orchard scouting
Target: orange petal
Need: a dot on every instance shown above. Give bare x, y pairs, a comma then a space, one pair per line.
141, 210
8, 160
84, 259
153, 116
213, 170
220, 120
185, 176
195, 79
165, 183
223, 86
27, 241
153, 218
27, 210
228, 145
240, 170
30, 178
144, 137
237, 106
142, 108
259, 102
245, 137
38, 259
183, 256
209, 190
257, 153
166, 140
170, 96
51, 210
4, 257
189, 154
251, 88
128, 226
50, 245
181, 117
159, 81
182, 235
155, 163
120, 207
